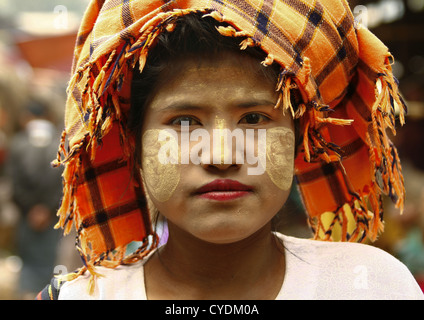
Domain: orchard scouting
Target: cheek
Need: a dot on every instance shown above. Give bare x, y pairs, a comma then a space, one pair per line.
160, 172
280, 156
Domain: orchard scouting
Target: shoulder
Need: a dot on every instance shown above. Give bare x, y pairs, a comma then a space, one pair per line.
347, 252
122, 282
347, 269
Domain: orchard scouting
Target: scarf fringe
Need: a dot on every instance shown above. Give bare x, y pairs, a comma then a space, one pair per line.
351, 222
388, 179
387, 168
109, 260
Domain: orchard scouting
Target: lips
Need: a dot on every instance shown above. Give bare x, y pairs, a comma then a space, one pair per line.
224, 190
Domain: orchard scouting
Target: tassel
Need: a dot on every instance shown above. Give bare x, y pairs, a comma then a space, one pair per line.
170, 27
231, 32
306, 142
69, 178
68, 222
344, 224
92, 282
306, 65
269, 60
61, 150
70, 276
142, 60
286, 96
248, 42
383, 154
216, 15
99, 83
335, 121
375, 202
284, 87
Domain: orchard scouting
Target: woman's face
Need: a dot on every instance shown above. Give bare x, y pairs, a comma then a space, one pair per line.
216, 189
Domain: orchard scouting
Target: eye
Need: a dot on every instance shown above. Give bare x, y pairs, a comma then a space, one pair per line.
254, 118
180, 120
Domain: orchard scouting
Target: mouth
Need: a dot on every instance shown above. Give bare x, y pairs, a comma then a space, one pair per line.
223, 190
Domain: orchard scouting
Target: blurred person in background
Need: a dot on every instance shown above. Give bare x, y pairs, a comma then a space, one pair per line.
9, 110
10, 102
403, 236
410, 246
36, 190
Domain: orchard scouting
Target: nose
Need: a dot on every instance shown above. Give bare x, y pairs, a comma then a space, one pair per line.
220, 166
223, 153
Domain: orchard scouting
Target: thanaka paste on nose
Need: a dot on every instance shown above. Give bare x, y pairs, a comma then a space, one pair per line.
220, 125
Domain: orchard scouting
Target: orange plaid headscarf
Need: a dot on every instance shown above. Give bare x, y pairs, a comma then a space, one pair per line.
341, 70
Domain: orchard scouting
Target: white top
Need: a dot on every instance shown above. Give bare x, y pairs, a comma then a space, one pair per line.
314, 270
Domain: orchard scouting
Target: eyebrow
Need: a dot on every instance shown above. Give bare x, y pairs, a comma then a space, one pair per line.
180, 107
257, 103
192, 107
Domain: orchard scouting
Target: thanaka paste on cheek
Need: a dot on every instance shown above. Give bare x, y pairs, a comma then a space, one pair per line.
161, 178
280, 156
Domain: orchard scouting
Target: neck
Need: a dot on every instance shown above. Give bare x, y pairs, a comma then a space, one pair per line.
211, 270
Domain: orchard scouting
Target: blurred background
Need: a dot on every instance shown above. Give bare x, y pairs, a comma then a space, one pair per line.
36, 48
36, 45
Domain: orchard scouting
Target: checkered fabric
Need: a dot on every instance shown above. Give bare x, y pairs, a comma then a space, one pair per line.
340, 70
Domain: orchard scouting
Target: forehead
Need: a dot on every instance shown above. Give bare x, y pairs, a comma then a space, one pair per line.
228, 77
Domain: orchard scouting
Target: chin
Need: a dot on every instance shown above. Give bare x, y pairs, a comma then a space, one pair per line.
222, 240
224, 233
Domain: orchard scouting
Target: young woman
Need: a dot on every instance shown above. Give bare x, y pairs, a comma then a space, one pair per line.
201, 113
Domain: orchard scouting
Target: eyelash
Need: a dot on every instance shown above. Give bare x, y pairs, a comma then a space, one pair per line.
262, 116
177, 120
